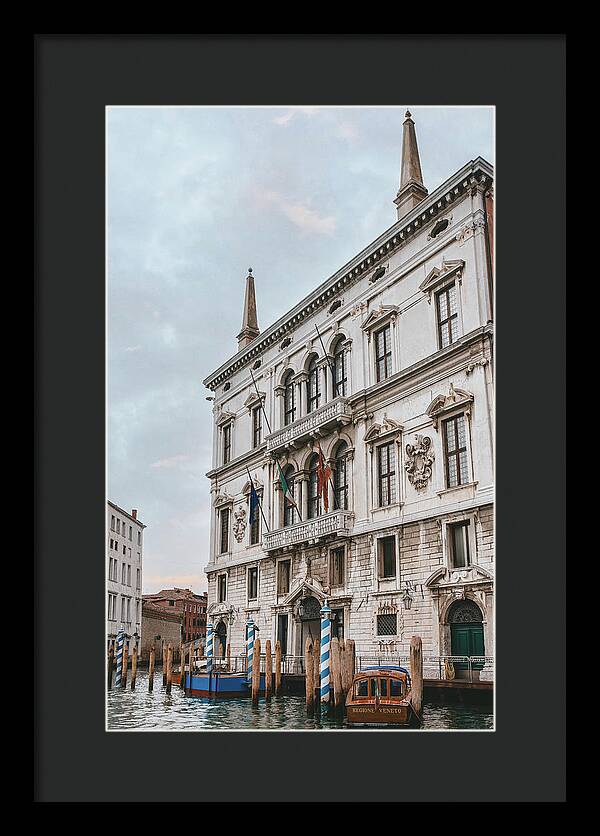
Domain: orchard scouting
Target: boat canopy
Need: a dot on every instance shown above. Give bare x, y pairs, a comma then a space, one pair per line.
386, 668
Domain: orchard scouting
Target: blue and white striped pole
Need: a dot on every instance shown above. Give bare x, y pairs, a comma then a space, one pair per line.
120, 643
325, 651
209, 647
250, 648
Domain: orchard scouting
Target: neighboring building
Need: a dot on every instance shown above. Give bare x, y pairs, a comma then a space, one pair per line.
124, 551
190, 608
159, 629
401, 403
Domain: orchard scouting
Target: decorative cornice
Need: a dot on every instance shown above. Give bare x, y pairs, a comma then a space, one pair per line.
476, 172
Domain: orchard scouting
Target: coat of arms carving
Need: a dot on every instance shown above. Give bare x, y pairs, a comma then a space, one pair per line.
420, 457
239, 524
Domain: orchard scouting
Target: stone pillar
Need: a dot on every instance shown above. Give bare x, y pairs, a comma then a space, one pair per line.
329, 486
304, 483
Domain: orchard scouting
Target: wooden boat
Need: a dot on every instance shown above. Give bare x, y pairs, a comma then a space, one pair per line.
220, 684
381, 696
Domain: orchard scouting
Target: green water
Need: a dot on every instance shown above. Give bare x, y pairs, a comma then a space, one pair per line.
139, 710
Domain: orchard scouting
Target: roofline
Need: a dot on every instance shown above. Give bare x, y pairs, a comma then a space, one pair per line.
127, 514
360, 264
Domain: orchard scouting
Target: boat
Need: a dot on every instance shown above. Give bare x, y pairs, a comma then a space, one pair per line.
220, 683
381, 696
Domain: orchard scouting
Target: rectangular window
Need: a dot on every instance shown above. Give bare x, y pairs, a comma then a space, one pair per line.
386, 467
138, 583
129, 609
129, 576
139, 538
458, 537
282, 631
386, 624
124, 574
337, 624
383, 353
130, 532
253, 583
283, 577
255, 529
222, 588
447, 315
112, 523
455, 451
256, 426
118, 526
224, 530
336, 567
387, 557
122, 609
226, 443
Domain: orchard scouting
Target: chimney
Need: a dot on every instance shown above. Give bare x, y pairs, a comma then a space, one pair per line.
411, 191
134, 513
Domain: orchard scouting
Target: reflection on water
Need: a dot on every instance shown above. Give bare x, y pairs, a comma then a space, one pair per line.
175, 712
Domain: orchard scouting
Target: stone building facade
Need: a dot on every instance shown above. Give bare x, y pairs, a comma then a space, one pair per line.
159, 629
124, 561
387, 368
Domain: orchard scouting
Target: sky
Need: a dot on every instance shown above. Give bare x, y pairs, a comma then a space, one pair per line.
195, 196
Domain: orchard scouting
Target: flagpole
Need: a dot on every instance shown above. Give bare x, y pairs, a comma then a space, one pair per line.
259, 502
331, 368
260, 400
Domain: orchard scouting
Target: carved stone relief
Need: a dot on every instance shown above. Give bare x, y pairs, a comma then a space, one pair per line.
420, 457
239, 524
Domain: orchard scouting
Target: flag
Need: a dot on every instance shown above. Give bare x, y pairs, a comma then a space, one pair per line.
323, 476
284, 486
254, 504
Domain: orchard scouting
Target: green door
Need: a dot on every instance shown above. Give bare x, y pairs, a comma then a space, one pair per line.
466, 632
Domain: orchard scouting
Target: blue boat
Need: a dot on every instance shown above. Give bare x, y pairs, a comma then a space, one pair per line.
220, 684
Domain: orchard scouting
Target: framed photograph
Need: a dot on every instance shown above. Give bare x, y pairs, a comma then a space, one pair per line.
286, 347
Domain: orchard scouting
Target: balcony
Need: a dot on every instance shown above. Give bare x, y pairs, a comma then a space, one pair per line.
336, 522
323, 420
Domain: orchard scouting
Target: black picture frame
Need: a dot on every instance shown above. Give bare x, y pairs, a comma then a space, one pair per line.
76, 77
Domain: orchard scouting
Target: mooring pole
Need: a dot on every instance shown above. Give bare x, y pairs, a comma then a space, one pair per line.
277, 668
120, 644
134, 666
309, 666
125, 662
325, 652
169, 668
256, 672
250, 647
268, 670
111, 654
416, 675
337, 674
151, 671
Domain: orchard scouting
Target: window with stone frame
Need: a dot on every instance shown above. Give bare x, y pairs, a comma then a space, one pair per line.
256, 426
289, 509
226, 443
283, 576
224, 530
458, 544
221, 589
289, 399
339, 369
340, 477
387, 624
253, 583
337, 623
313, 387
383, 353
314, 500
386, 474
386, 557
455, 451
447, 315
337, 567
255, 528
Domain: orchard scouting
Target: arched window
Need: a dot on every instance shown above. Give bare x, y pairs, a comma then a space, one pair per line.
289, 399
314, 501
339, 369
289, 510
340, 477
312, 386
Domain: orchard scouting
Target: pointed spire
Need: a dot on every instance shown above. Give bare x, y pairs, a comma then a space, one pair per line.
411, 191
250, 328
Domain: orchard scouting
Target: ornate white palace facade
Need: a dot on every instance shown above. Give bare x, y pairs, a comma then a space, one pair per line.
401, 402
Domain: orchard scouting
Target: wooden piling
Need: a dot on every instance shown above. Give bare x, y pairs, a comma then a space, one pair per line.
348, 664
416, 675
169, 667
268, 670
164, 654
228, 656
125, 662
256, 672
151, 671
309, 667
277, 668
317, 672
336, 675
133, 666
111, 660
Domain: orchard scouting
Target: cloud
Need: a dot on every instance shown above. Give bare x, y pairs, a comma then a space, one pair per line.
301, 215
133, 348
172, 461
156, 582
287, 117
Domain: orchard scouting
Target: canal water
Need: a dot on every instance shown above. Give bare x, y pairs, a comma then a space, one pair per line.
140, 711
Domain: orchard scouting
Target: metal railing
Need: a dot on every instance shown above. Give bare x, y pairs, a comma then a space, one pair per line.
329, 415
336, 522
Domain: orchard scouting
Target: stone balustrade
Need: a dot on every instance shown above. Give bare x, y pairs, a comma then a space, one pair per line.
322, 420
336, 522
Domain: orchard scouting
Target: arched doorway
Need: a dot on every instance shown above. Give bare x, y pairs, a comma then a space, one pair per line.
309, 612
466, 631
220, 640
